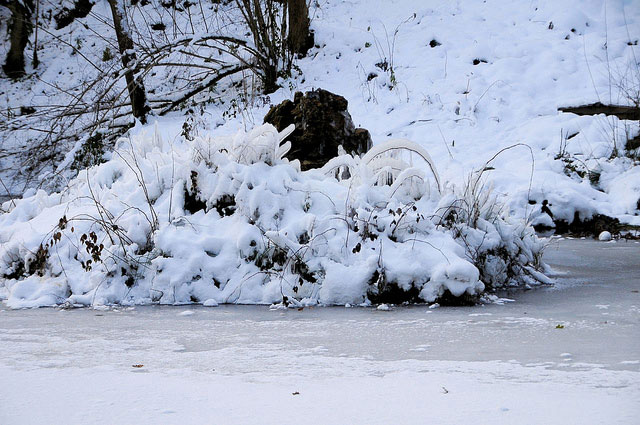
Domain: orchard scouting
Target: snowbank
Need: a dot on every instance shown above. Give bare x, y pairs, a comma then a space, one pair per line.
228, 220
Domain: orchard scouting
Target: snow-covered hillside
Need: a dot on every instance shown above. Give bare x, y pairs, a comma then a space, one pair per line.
539, 56
495, 77
476, 84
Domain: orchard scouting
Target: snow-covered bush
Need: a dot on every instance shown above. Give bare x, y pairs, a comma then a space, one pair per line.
506, 251
230, 220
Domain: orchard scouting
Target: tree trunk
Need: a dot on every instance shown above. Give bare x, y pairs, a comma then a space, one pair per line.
20, 28
300, 37
269, 79
135, 86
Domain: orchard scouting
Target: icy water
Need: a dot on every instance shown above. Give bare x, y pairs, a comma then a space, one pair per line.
571, 353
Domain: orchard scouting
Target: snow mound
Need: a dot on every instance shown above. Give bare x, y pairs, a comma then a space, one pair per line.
230, 220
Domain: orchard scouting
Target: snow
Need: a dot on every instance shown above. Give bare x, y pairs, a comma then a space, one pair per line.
499, 364
604, 236
373, 396
210, 303
464, 114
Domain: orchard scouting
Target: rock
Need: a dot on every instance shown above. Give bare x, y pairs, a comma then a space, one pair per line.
322, 124
66, 16
604, 236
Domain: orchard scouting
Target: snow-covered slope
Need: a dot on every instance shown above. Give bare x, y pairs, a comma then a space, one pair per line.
464, 79
540, 55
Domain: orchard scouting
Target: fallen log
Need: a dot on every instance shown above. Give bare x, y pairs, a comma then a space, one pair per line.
622, 112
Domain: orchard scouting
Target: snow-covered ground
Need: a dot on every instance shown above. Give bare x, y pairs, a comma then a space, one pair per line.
478, 85
495, 77
564, 354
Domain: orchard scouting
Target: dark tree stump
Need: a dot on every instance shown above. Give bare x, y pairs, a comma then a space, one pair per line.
322, 124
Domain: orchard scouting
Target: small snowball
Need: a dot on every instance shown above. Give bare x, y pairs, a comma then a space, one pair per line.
384, 307
605, 236
210, 303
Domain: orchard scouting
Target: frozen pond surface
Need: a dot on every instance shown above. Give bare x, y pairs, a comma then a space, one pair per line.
564, 354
